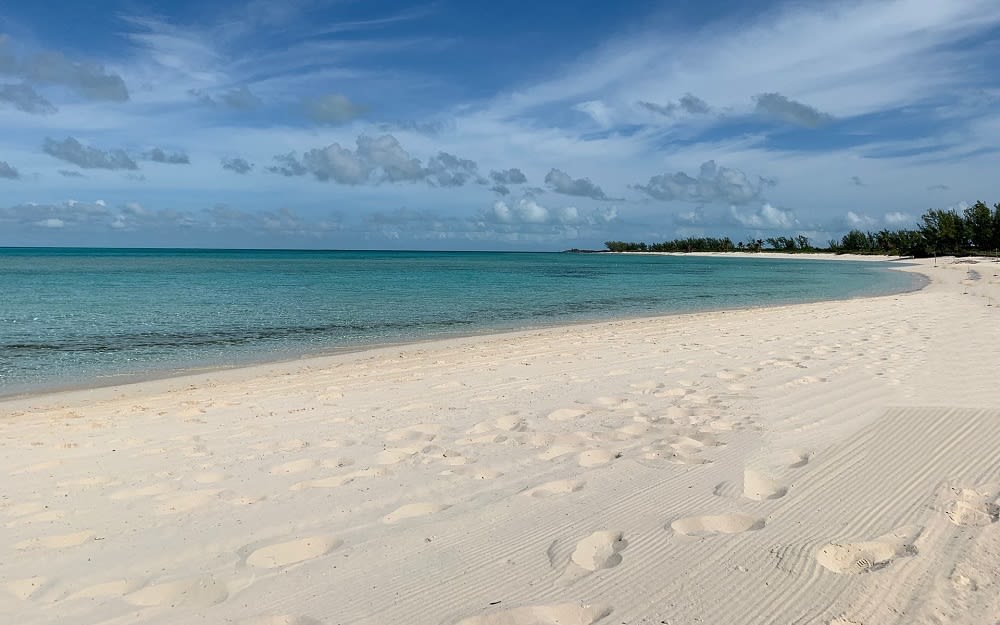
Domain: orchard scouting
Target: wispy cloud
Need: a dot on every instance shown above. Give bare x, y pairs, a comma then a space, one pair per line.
24, 98
72, 151
780, 107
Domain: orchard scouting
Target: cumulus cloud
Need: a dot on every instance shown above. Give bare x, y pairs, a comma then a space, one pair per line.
89, 80
332, 108
376, 160
714, 183
70, 173
690, 218
859, 220
508, 176
857, 181
70, 213
288, 165
561, 182
24, 98
158, 155
689, 103
780, 107
448, 170
767, 217
386, 154
73, 151
238, 165
896, 218
500, 189
528, 211
8, 171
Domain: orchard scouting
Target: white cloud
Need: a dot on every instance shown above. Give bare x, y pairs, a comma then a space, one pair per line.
528, 211
714, 183
857, 220
598, 111
768, 217
896, 218
561, 182
51, 223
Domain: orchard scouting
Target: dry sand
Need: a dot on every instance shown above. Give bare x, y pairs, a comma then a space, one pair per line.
834, 463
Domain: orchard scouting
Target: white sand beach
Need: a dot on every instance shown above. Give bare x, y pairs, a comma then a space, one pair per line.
834, 463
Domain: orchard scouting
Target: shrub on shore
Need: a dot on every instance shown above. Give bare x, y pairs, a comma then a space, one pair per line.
975, 231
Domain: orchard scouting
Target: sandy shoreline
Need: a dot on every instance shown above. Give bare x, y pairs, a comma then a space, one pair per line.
816, 463
128, 379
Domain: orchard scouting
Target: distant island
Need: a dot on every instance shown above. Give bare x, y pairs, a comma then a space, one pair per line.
974, 232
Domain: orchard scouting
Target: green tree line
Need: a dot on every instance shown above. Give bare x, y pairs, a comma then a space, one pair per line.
976, 230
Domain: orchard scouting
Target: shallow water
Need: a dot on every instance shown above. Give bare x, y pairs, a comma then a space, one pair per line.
92, 316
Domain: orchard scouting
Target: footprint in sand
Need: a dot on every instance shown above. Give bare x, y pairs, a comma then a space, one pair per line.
557, 614
512, 423
596, 458
197, 592
974, 507
869, 555
425, 432
26, 587
760, 486
146, 491
476, 473
395, 456
600, 550
675, 392
566, 414
61, 541
294, 466
116, 588
337, 463
646, 387
483, 439
293, 552
556, 451
209, 477
186, 502
22, 509
557, 487
339, 480
795, 458
636, 430
412, 510
716, 524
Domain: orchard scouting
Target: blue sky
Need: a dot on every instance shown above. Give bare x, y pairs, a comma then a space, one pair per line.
473, 125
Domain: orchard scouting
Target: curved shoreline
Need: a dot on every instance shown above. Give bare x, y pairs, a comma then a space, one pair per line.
765, 455
169, 373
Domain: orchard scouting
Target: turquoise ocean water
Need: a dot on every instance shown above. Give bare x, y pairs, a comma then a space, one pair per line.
72, 317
